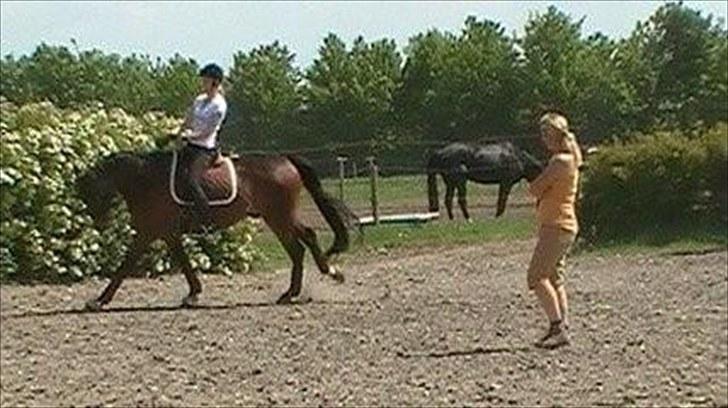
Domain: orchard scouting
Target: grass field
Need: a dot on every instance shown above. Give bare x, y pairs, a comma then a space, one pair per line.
389, 238
405, 194
410, 193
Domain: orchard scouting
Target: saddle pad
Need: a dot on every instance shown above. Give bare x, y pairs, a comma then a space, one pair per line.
220, 183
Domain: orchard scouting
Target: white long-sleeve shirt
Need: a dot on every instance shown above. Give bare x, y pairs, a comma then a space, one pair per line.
204, 120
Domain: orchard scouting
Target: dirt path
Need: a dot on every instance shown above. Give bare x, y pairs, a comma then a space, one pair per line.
453, 328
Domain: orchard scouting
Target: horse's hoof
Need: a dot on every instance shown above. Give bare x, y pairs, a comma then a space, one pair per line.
190, 301
93, 305
336, 275
288, 299
285, 299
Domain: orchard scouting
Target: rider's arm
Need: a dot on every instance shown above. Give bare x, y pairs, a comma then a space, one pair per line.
207, 127
188, 119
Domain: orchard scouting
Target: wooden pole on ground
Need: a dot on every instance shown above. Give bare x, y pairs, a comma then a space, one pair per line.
374, 175
342, 175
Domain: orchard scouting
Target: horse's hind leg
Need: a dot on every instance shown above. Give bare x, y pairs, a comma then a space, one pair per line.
179, 257
137, 249
295, 251
308, 236
463, 198
449, 195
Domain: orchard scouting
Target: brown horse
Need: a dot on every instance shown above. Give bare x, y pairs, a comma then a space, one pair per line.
268, 186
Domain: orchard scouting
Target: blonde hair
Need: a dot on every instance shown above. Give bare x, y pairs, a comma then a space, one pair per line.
568, 140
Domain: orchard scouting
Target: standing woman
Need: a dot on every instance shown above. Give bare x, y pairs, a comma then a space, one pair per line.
200, 129
556, 191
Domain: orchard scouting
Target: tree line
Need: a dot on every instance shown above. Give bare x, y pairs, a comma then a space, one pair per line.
671, 72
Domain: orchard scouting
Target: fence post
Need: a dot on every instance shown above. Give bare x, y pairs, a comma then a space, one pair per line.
354, 169
342, 175
374, 173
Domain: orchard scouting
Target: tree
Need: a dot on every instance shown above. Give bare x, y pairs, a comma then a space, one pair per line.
551, 44
76, 78
605, 103
462, 87
50, 74
264, 99
176, 84
676, 61
349, 94
715, 103
671, 72
12, 84
576, 76
425, 53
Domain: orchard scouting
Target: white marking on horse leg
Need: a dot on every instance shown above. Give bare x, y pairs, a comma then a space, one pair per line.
93, 305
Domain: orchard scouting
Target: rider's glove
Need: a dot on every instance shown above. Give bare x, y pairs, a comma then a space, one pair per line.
186, 134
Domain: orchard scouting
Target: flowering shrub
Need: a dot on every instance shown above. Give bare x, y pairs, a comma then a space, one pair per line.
45, 233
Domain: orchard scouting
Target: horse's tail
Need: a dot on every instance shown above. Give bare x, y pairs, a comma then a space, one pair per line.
337, 214
432, 194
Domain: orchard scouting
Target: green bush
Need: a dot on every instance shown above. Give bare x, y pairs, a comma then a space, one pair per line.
716, 168
662, 180
44, 231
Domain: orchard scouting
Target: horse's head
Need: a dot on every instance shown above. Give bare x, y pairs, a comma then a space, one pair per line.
532, 167
97, 190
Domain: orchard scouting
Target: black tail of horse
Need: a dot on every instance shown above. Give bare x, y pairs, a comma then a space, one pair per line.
336, 213
432, 194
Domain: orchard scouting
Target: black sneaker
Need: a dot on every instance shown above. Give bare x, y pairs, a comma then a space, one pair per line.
554, 338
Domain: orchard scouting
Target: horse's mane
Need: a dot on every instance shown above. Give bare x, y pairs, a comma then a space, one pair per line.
143, 167
133, 160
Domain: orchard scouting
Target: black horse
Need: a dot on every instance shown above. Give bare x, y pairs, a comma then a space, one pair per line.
498, 163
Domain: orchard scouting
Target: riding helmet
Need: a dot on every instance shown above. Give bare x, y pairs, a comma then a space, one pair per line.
212, 71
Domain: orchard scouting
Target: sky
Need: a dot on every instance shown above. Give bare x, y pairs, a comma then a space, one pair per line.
215, 31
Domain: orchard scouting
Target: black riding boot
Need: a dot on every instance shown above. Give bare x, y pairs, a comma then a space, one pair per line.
202, 208
199, 161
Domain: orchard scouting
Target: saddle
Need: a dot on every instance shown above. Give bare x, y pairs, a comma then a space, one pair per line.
219, 181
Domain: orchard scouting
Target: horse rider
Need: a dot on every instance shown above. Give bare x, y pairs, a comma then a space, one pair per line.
200, 130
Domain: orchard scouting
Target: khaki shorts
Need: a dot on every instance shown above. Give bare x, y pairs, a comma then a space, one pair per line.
549, 257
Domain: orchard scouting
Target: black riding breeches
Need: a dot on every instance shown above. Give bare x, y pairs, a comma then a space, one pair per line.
197, 160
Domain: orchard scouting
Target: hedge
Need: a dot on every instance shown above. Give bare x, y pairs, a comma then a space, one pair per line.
45, 233
659, 180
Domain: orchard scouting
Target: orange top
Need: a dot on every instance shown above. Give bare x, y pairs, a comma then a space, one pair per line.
555, 190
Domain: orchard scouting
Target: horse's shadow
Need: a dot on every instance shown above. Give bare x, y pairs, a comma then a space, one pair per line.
135, 309
458, 353
175, 308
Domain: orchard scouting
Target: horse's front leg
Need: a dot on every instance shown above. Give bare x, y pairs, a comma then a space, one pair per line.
135, 252
180, 258
503, 191
449, 195
463, 198
296, 252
